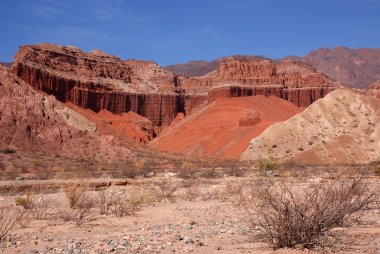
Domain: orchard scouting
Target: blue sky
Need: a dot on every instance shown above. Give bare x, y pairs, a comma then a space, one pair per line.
176, 31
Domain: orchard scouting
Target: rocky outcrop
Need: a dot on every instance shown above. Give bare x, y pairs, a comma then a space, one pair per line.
250, 118
374, 89
30, 121
338, 129
356, 68
99, 81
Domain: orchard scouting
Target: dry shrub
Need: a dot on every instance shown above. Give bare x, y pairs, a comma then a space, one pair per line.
9, 218
41, 209
187, 170
136, 199
192, 191
267, 164
166, 189
105, 200
129, 204
25, 201
235, 171
81, 214
284, 216
212, 194
209, 173
234, 188
35, 205
74, 192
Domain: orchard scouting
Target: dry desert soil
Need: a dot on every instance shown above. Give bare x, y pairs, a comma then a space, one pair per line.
202, 216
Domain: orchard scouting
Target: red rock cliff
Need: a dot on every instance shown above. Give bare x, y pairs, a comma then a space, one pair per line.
98, 81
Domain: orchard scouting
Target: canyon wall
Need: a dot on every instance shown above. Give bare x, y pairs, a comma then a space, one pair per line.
99, 81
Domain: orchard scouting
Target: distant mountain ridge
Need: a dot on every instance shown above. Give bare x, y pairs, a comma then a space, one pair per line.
352, 67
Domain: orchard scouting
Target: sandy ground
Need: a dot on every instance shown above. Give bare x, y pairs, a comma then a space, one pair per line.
212, 223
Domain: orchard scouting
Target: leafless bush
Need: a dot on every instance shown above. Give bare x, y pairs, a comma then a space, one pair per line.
187, 170
235, 171
285, 216
81, 214
129, 204
234, 188
192, 191
105, 201
9, 218
40, 209
35, 205
166, 189
209, 173
212, 194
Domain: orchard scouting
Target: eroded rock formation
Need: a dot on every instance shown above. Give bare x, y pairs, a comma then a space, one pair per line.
99, 81
374, 89
338, 129
31, 121
250, 118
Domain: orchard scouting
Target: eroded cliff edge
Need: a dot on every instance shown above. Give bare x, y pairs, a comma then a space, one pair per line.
99, 81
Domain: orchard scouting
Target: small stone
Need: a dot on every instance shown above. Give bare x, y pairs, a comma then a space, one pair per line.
188, 227
34, 251
242, 231
189, 240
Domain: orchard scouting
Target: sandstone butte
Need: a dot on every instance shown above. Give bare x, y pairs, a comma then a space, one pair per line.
139, 99
340, 128
31, 121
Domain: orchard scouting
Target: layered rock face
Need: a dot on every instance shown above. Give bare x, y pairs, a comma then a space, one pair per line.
294, 81
30, 121
355, 68
338, 129
99, 81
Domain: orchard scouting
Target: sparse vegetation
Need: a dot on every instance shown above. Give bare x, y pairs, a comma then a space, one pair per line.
81, 214
267, 164
192, 191
166, 189
9, 218
25, 201
285, 216
187, 170
129, 204
74, 192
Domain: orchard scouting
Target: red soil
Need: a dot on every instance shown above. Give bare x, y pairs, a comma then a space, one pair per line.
214, 131
127, 125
